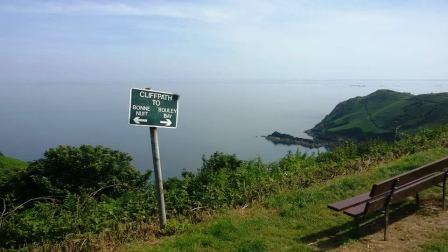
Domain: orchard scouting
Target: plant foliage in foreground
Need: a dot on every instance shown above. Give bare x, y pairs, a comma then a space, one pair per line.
95, 192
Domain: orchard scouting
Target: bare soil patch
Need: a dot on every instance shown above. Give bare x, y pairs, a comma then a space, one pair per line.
407, 233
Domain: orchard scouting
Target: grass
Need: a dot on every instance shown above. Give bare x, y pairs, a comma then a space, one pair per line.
438, 244
292, 220
10, 165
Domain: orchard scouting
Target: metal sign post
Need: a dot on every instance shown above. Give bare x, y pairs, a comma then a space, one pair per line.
154, 109
158, 175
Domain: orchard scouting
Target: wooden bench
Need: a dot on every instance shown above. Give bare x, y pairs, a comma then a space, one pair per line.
394, 190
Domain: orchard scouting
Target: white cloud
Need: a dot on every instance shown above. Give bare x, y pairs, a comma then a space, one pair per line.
160, 9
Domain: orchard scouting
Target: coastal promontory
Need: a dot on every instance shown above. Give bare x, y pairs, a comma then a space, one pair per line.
382, 114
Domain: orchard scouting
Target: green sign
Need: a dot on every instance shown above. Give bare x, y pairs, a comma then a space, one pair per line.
153, 108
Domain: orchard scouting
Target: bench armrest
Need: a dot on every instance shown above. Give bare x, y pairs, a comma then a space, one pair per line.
350, 202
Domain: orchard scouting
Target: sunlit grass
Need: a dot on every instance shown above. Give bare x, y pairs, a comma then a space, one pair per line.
292, 220
438, 244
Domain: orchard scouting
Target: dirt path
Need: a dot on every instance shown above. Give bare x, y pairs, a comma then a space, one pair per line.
406, 234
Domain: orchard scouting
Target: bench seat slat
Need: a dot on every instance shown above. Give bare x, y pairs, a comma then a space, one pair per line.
344, 204
356, 210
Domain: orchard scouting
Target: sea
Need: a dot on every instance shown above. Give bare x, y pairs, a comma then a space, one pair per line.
225, 116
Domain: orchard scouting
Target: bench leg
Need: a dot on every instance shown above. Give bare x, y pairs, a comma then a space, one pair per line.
387, 205
357, 223
417, 199
444, 190
386, 221
360, 221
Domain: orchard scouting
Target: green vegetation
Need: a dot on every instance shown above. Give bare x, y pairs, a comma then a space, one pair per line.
381, 114
71, 190
68, 170
10, 166
296, 219
91, 197
438, 244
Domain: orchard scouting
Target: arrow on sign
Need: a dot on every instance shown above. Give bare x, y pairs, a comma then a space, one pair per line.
138, 120
167, 122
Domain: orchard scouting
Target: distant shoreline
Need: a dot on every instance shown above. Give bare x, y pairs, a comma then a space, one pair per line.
286, 139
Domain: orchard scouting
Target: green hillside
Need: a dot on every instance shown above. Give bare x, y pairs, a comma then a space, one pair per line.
10, 165
381, 114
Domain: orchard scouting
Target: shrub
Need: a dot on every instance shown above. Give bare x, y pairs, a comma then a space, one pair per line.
79, 170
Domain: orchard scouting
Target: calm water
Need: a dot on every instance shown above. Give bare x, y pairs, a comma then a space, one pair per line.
214, 116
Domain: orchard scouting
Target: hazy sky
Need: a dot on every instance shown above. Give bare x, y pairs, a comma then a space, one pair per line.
101, 41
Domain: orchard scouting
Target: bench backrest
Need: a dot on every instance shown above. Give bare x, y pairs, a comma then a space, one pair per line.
401, 193
409, 176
